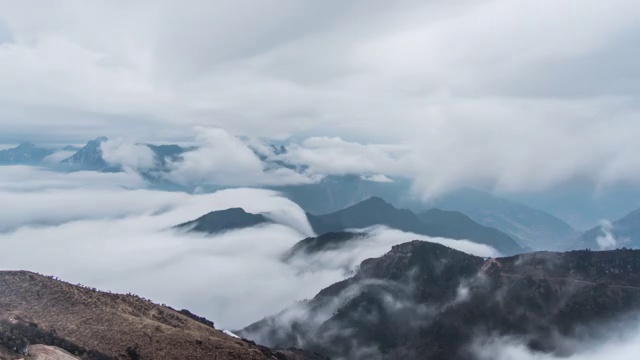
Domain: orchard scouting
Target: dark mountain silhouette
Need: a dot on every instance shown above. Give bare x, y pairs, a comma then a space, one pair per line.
625, 232
373, 211
426, 301
223, 220
90, 324
167, 153
24, 154
537, 229
88, 157
376, 211
324, 242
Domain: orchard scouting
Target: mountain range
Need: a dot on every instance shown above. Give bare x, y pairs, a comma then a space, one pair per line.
84, 158
371, 212
24, 154
531, 228
536, 229
434, 223
426, 301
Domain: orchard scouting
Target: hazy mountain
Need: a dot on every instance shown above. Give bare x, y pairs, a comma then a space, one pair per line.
533, 228
338, 192
71, 148
456, 225
88, 157
90, 324
426, 301
376, 211
621, 233
582, 206
24, 154
536, 229
373, 211
223, 220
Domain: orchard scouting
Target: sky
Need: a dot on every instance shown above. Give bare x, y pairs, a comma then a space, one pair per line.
517, 97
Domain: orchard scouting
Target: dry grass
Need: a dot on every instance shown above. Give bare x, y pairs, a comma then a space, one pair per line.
114, 323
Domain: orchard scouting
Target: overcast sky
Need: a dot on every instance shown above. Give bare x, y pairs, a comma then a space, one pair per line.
473, 88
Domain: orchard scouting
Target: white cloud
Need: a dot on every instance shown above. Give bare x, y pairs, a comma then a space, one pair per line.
27, 178
335, 156
377, 241
57, 157
606, 241
624, 347
223, 159
377, 178
128, 155
121, 240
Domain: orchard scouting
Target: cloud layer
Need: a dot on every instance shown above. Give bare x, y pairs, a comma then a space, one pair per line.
121, 240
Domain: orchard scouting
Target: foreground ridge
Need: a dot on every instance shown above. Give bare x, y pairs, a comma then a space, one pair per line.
90, 324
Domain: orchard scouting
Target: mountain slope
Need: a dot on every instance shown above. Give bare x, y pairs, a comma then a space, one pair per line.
376, 211
324, 242
621, 233
88, 157
426, 301
223, 220
455, 225
537, 229
373, 211
98, 325
24, 154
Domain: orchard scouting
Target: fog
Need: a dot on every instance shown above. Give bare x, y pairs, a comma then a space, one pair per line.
121, 239
616, 345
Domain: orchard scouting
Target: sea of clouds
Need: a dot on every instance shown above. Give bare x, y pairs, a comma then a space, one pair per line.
106, 231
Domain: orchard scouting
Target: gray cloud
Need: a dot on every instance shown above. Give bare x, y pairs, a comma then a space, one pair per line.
128, 155
483, 93
223, 159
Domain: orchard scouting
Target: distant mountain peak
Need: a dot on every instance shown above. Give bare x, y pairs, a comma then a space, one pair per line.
25, 145
26, 153
435, 223
224, 220
89, 157
374, 202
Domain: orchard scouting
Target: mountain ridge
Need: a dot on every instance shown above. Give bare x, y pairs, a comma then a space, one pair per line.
376, 211
423, 300
100, 325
